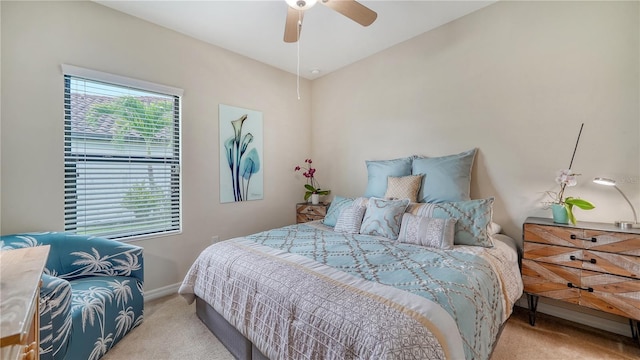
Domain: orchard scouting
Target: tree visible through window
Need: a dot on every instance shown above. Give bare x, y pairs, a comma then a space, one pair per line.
122, 160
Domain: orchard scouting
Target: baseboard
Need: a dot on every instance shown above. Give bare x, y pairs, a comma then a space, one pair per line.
615, 325
161, 292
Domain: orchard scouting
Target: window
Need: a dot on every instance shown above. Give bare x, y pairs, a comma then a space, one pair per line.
121, 155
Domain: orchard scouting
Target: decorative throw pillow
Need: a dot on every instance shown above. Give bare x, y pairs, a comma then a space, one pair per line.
405, 187
379, 170
473, 219
431, 232
350, 219
383, 217
337, 204
446, 178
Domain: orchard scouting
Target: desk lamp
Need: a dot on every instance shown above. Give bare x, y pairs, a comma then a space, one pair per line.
620, 224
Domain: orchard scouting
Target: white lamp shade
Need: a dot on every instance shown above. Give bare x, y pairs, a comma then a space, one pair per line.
610, 182
604, 181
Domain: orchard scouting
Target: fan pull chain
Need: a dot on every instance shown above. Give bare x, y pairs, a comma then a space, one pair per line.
298, 55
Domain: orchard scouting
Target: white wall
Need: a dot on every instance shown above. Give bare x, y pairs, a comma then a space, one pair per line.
515, 80
39, 36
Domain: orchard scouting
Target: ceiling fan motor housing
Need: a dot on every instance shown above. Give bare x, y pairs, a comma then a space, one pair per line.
301, 4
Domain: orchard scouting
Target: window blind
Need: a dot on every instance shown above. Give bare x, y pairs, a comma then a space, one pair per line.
121, 158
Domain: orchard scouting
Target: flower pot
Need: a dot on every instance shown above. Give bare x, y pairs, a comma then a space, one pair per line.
560, 215
315, 199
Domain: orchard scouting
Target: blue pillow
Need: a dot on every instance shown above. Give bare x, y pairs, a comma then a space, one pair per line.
379, 170
473, 219
383, 217
333, 212
446, 178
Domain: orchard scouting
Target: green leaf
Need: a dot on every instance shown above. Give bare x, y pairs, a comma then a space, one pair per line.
582, 204
569, 208
309, 187
307, 195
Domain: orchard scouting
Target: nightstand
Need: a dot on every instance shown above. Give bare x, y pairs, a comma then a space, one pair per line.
595, 265
308, 212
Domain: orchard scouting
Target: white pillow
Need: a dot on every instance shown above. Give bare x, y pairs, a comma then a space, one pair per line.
494, 228
426, 231
350, 219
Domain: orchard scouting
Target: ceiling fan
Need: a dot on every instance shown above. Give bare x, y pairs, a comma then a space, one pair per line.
349, 8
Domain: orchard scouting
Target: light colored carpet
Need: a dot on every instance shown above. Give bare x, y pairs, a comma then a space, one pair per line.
171, 330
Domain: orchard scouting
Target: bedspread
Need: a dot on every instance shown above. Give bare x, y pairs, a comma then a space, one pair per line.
342, 296
291, 307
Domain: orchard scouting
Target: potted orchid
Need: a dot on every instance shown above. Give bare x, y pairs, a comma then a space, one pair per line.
312, 186
561, 207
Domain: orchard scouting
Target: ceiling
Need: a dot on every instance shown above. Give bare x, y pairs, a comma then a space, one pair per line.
328, 41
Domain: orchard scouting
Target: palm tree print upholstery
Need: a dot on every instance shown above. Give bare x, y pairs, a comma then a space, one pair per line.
91, 295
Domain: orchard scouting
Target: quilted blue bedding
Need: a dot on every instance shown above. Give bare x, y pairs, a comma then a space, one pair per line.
463, 281
306, 292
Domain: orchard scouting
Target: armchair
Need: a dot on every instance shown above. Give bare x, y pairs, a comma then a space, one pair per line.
91, 295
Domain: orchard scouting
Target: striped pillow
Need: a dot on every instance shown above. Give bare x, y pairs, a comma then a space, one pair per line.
350, 219
337, 205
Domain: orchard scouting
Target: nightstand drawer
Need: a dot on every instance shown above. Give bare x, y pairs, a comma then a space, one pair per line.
302, 218
623, 265
551, 280
614, 242
554, 235
306, 212
552, 254
613, 294
312, 210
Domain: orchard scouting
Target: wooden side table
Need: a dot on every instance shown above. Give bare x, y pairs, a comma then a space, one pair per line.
308, 212
21, 271
595, 265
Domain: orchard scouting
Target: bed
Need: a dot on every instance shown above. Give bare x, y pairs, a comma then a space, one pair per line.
305, 291
381, 277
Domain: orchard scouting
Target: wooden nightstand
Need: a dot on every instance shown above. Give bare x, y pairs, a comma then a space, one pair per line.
308, 212
595, 265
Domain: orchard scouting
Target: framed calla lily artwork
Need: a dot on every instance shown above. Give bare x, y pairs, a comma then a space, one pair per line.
241, 172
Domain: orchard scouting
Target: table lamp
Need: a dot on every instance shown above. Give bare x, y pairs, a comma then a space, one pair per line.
620, 224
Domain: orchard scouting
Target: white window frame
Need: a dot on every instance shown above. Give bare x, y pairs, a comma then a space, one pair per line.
122, 81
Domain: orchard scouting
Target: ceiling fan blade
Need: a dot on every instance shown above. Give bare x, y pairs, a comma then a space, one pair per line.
293, 25
353, 10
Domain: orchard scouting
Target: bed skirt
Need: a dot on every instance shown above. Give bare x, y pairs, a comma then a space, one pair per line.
238, 345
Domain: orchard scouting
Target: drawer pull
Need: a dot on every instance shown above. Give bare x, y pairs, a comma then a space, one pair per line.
593, 261
592, 239
589, 289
